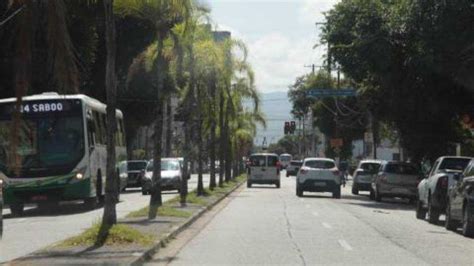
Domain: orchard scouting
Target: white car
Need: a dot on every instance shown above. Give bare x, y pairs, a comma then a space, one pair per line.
171, 174
364, 175
319, 175
264, 168
433, 189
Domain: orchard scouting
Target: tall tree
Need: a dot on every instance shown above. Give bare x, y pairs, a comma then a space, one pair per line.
164, 15
112, 184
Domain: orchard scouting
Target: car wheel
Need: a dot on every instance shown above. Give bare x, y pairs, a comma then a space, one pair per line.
249, 184
372, 194
420, 211
144, 192
433, 213
337, 193
450, 224
467, 222
378, 197
287, 175
17, 209
277, 184
299, 191
90, 203
355, 191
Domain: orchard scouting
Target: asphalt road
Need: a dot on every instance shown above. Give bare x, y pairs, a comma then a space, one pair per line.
265, 225
38, 229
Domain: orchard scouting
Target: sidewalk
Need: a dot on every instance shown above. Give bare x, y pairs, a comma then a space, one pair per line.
160, 230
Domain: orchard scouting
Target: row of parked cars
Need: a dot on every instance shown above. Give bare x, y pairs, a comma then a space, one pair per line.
140, 173
447, 188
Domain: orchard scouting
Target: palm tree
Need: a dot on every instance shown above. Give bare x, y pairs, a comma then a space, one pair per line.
112, 184
164, 15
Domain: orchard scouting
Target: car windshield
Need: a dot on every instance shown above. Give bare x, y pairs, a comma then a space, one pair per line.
46, 146
166, 165
457, 164
320, 164
136, 166
403, 169
370, 167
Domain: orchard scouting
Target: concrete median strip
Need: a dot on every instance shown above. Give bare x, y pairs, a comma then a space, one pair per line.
163, 229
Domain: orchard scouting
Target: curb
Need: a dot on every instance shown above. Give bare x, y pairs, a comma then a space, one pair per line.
147, 255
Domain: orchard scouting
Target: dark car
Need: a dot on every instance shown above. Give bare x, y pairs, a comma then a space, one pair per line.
135, 170
293, 168
460, 206
396, 179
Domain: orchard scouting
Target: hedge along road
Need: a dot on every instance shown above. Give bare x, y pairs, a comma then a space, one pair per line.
38, 229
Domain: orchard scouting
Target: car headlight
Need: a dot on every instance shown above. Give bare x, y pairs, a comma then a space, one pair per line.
79, 176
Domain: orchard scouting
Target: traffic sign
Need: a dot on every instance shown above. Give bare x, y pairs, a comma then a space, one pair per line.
336, 143
324, 93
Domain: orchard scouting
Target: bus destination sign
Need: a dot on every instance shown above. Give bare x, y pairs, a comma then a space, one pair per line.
42, 107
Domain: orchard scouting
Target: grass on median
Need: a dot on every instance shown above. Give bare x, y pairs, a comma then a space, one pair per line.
164, 210
192, 198
119, 234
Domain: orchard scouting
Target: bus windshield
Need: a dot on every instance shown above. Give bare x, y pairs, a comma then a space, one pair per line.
47, 145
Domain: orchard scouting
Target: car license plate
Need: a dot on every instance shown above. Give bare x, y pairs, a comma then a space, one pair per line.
400, 190
319, 184
39, 198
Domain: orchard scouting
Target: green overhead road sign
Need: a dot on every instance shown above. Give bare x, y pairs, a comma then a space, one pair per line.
324, 93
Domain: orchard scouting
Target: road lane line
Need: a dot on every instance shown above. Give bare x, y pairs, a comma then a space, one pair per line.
315, 214
326, 225
345, 245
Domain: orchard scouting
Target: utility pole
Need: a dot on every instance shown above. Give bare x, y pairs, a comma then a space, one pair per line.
329, 59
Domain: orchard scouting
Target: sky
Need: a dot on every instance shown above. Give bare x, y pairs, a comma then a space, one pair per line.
280, 35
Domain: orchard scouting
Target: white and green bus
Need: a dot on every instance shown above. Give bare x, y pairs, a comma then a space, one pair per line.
61, 153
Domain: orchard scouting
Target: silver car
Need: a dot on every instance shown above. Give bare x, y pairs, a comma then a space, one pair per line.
364, 175
171, 174
396, 179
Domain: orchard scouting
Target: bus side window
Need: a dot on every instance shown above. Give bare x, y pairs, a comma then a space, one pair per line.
123, 132
103, 125
91, 132
98, 128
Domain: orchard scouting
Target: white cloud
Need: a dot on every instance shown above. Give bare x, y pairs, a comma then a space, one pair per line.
312, 10
278, 60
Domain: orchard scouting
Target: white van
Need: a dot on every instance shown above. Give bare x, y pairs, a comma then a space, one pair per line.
264, 168
285, 159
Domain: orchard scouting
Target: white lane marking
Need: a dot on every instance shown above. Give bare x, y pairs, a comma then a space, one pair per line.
326, 225
315, 214
345, 245
307, 206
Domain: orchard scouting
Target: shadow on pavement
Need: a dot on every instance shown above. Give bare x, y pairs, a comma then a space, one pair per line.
62, 209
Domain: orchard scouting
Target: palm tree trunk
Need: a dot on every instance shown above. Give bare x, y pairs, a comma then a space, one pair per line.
169, 129
200, 185
221, 139
155, 199
112, 183
212, 133
228, 149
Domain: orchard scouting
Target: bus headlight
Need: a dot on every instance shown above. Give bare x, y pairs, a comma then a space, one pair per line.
79, 176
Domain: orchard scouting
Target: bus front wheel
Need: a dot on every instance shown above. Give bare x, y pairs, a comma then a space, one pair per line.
17, 209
